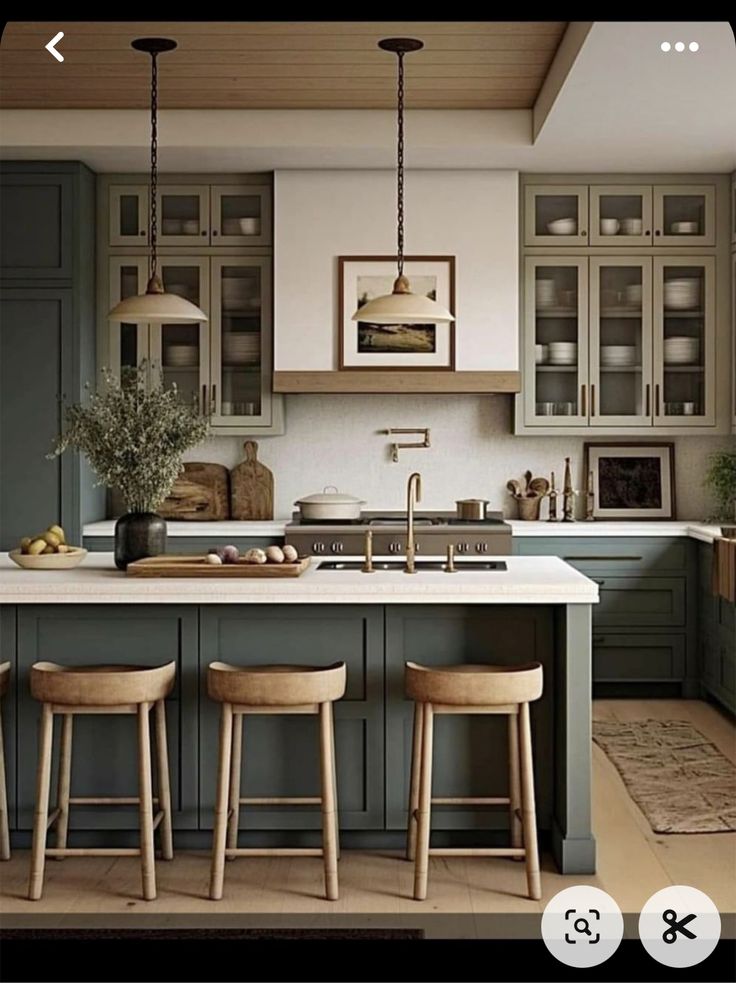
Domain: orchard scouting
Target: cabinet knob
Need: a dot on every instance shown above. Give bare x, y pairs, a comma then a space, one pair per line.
657, 232
142, 232
647, 232
214, 232
583, 232
204, 232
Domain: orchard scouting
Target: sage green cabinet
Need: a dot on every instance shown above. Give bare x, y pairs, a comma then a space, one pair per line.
104, 761
716, 635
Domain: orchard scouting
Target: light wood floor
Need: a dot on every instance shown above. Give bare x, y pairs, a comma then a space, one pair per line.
633, 863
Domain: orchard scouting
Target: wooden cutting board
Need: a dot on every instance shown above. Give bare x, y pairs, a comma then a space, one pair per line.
175, 565
201, 492
251, 487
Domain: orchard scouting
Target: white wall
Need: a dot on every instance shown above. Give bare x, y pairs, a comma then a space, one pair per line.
320, 215
334, 440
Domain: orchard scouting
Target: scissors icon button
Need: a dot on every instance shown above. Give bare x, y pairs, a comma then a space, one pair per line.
676, 926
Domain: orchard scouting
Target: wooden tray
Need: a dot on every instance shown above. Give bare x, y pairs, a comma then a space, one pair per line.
176, 565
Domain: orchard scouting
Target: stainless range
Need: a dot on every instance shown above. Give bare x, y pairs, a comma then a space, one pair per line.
434, 532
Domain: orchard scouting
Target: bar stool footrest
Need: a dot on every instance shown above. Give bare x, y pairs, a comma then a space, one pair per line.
280, 801
93, 852
274, 852
470, 801
478, 852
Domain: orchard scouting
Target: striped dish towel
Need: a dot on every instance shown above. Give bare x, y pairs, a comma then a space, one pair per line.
724, 568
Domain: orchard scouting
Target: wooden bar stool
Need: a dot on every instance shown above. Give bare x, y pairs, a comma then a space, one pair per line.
70, 690
4, 820
273, 690
474, 689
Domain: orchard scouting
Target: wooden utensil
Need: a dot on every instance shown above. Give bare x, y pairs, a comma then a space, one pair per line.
539, 485
514, 487
251, 487
174, 565
201, 492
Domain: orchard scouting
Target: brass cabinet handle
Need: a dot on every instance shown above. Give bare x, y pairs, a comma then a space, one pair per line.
647, 403
582, 400
592, 399
204, 399
213, 401
656, 399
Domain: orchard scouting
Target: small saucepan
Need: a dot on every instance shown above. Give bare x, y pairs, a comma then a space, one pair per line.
472, 509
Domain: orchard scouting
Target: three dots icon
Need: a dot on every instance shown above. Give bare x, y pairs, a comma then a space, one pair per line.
679, 46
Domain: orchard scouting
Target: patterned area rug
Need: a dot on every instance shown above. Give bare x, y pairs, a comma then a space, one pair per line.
678, 779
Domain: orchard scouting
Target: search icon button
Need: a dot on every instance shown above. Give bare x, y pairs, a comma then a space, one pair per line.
582, 926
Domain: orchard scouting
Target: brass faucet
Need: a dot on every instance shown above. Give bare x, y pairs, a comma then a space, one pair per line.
413, 495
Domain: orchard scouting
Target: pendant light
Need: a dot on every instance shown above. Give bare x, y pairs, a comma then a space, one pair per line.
401, 306
155, 306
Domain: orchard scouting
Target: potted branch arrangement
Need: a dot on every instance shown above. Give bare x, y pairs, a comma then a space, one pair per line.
134, 438
720, 480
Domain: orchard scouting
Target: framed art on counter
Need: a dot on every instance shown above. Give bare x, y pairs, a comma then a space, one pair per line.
631, 480
363, 345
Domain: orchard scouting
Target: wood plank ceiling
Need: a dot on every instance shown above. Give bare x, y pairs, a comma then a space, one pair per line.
277, 65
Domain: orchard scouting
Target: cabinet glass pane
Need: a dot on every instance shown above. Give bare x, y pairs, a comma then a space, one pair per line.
683, 215
240, 215
620, 331
556, 341
128, 218
556, 215
128, 332
180, 215
621, 215
240, 303
683, 344
180, 345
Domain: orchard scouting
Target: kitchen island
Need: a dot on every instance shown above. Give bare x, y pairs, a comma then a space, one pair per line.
538, 608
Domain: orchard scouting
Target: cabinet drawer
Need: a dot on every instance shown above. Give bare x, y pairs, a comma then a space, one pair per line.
619, 658
633, 602
626, 554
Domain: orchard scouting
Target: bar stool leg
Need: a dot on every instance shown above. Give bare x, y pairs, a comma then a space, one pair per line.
329, 826
334, 785
416, 753
514, 783
145, 794
424, 817
43, 782
236, 764
528, 811
64, 784
4, 821
217, 873
164, 782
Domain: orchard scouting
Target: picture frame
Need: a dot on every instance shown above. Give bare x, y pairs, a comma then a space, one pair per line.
631, 480
364, 347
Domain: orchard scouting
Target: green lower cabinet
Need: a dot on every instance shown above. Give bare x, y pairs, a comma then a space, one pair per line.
639, 602
716, 635
623, 658
104, 760
281, 752
470, 751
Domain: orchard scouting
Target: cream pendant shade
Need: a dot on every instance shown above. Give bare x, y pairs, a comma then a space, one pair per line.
156, 309
403, 309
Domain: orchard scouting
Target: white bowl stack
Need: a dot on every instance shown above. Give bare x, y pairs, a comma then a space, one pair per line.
563, 353
545, 293
181, 356
613, 356
682, 293
633, 295
681, 350
562, 227
242, 348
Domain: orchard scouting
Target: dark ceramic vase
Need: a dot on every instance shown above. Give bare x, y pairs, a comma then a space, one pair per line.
138, 535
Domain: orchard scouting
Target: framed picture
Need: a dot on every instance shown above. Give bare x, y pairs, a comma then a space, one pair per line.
366, 346
631, 481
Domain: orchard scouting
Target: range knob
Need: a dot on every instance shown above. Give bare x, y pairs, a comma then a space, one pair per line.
462, 548
481, 548
336, 547
318, 547
394, 546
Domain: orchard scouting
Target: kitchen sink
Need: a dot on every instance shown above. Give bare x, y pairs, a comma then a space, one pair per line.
421, 565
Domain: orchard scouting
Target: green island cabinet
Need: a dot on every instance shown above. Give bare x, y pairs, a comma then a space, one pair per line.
47, 344
716, 635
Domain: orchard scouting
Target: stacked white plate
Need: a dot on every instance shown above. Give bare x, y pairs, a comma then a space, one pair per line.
545, 293
241, 348
681, 350
563, 353
239, 293
618, 355
682, 293
181, 356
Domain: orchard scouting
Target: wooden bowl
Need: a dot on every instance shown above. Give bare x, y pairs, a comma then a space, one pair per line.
48, 562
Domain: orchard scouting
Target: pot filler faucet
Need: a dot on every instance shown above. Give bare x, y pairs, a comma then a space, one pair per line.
413, 495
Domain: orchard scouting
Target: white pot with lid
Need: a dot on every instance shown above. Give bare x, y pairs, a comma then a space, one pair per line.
330, 504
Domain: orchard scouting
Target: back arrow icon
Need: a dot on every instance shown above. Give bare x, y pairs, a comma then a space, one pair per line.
50, 47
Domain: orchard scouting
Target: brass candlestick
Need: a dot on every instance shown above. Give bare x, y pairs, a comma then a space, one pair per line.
553, 494
589, 499
568, 496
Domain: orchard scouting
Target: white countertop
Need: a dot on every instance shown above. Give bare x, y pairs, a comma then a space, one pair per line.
528, 581
275, 528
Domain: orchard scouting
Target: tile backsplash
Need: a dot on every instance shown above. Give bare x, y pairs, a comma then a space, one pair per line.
336, 440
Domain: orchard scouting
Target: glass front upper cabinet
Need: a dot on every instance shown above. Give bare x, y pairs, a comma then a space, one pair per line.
555, 215
180, 352
620, 341
183, 215
684, 215
556, 356
241, 215
684, 341
241, 342
621, 215
128, 215
128, 342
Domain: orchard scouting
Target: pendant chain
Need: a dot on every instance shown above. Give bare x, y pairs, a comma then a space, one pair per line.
154, 162
400, 170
